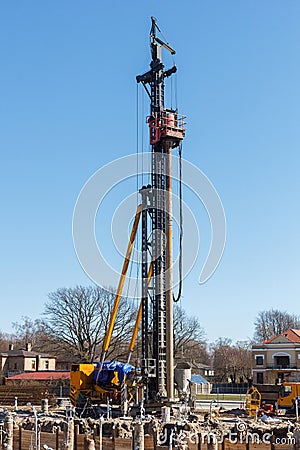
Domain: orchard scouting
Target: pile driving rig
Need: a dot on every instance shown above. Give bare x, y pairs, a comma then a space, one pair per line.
166, 128
155, 377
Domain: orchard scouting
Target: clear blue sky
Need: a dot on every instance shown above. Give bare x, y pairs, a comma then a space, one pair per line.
68, 106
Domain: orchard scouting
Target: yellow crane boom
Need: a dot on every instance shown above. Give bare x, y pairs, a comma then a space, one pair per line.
138, 320
120, 288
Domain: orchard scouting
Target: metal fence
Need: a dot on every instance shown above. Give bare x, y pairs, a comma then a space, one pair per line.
229, 388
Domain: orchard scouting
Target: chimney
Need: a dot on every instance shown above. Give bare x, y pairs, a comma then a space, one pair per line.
11, 346
28, 346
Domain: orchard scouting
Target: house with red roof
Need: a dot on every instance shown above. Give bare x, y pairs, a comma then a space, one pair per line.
277, 359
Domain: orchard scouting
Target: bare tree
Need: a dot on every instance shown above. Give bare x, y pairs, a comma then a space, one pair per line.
231, 362
189, 337
243, 352
76, 321
79, 317
221, 350
5, 340
272, 322
33, 331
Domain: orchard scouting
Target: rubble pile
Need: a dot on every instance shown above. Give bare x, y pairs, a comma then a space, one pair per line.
182, 432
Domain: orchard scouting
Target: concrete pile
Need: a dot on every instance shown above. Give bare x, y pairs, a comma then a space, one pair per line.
59, 429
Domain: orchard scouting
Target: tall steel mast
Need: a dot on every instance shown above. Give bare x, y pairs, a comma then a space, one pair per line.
166, 129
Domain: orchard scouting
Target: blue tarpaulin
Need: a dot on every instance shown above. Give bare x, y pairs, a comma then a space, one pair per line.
108, 368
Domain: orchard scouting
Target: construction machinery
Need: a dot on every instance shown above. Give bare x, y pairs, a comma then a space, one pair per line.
167, 130
155, 376
95, 384
288, 395
253, 401
277, 399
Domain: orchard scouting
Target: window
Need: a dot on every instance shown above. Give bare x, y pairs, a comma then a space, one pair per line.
260, 378
33, 364
285, 391
259, 360
47, 365
282, 362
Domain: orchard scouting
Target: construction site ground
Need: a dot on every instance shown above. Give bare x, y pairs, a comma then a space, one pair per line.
195, 430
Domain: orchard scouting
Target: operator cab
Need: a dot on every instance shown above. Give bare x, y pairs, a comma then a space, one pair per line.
285, 391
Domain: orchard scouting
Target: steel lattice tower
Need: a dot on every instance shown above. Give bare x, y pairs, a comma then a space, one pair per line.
166, 129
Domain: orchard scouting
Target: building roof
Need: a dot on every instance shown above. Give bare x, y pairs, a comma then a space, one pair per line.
198, 365
203, 366
198, 379
41, 375
26, 354
291, 335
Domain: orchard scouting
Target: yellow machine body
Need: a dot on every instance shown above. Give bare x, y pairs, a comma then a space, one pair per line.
287, 394
284, 398
253, 400
83, 387
81, 381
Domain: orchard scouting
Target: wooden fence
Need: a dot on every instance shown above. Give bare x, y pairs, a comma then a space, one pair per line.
25, 440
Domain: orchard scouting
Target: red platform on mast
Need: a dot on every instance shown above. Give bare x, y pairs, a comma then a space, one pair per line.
167, 125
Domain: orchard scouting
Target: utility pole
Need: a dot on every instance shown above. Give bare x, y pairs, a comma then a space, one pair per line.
166, 129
